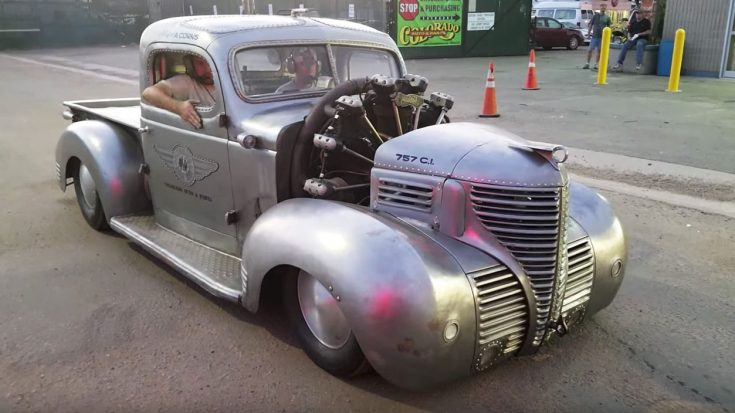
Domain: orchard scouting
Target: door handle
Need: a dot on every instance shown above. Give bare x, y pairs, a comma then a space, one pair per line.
144, 129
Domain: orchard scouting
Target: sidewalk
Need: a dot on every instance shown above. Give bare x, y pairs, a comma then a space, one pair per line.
632, 115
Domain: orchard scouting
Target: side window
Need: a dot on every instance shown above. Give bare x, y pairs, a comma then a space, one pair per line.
188, 75
565, 14
553, 24
541, 23
546, 13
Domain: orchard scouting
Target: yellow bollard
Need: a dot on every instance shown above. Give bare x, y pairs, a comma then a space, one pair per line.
604, 56
676, 61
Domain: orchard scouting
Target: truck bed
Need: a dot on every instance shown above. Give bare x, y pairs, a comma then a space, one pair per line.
125, 112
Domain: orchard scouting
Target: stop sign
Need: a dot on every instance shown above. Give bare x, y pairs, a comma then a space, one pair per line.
408, 9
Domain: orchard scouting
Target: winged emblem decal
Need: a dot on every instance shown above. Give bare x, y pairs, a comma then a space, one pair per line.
187, 168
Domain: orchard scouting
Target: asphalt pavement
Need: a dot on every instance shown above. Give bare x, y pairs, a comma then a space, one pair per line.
89, 322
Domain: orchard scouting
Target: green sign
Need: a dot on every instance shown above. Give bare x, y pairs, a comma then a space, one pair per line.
424, 23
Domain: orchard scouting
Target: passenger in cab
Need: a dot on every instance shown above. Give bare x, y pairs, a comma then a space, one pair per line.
180, 94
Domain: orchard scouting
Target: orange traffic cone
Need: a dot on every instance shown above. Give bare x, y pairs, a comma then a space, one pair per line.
531, 77
489, 107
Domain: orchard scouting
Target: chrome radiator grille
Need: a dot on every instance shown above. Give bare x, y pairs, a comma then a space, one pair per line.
580, 275
526, 221
502, 315
405, 195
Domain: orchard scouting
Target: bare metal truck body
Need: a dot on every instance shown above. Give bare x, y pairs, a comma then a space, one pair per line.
426, 249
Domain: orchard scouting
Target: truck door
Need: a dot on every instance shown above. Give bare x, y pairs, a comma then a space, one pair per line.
189, 177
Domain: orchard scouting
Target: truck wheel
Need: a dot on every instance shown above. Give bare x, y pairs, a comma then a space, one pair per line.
88, 199
321, 327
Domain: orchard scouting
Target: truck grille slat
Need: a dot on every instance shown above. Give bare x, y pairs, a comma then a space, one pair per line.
503, 321
501, 231
496, 287
515, 192
488, 280
576, 261
502, 314
508, 302
519, 218
514, 202
499, 312
581, 275
531, 245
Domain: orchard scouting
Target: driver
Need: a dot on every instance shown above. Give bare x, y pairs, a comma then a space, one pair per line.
303, 63
179, 94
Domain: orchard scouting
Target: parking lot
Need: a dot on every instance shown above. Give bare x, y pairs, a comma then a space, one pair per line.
89, 322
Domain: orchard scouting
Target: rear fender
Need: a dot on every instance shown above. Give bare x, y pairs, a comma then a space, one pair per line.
397, 288
113, 156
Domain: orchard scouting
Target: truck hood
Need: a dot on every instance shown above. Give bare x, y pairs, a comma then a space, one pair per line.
472, 152
267, 124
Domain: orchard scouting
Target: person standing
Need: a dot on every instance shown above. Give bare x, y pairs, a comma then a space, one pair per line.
599, 22
639, 29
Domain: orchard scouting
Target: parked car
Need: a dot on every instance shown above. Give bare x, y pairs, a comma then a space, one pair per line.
578, 13
582, 32
427, 249
548, 33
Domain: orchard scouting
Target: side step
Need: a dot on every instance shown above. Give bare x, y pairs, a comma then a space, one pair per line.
216, 272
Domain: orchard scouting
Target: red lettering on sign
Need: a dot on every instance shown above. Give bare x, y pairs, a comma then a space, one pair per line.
408, 9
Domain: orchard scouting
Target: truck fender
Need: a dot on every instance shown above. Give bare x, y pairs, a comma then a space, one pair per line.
397, 288
113, 156
594, 214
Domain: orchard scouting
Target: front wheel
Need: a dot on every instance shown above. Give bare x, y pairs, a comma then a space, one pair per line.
321, 327
573, 43
88, 199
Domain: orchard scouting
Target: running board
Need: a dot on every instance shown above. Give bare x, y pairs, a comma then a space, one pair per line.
216, 272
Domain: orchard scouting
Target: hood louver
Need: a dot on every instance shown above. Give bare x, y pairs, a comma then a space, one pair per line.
399, 194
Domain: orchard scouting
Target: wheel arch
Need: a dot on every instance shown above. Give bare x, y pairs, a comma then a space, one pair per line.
113, 156
396, 287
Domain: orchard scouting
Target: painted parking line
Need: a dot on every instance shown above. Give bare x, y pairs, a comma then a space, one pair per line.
90, 66
73, 70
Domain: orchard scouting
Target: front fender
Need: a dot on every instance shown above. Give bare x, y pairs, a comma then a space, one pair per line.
595, 215
113, 156
397, 288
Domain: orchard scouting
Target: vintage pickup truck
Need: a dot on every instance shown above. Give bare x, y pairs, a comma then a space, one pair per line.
423, 248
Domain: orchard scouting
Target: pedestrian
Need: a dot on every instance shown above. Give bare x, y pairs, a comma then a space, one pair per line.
599, 21
639, 28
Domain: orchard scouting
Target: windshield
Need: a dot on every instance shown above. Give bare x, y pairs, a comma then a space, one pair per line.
357, 62
283, 70
266, 71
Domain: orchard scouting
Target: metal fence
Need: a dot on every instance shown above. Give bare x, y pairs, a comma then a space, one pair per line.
370, 12
48, 23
